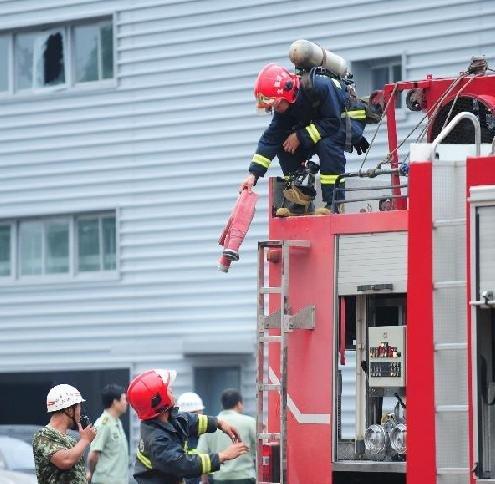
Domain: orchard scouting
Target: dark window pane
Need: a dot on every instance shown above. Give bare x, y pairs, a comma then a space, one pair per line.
106, 33
109, 244
53, 60
30, 248
397, 73
57, 247
86, 47
397, 77
379, 77
89, 244
5, 250
4, 64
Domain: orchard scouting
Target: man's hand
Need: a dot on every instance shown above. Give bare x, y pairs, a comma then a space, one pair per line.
88, 434
248, 183
361, 146
226, 428
291, 143
233, 451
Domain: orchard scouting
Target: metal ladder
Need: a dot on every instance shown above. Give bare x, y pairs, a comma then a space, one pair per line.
449, 283
284, 322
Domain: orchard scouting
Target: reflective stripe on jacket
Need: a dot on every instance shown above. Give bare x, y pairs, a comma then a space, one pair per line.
310, 120
162, 456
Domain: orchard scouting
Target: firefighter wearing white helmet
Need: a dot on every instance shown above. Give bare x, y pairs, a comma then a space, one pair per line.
190, 402
58, 457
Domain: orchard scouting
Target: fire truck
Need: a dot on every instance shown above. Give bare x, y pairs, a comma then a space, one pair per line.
376, 329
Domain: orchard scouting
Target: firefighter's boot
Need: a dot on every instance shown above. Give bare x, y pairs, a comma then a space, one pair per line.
327, 209
323, 210
296, 202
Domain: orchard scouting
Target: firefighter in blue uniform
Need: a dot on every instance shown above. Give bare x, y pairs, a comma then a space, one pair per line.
162, 456
313, 114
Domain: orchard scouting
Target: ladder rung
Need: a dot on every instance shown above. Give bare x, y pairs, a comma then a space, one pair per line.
299, 243
448, 284
453, 470
453, 222
450, 346
270, 290
270, 339
451, 408
266, 387
269, 435
271, 243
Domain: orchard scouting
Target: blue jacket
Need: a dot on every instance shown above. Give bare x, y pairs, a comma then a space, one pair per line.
311, 123
162, 456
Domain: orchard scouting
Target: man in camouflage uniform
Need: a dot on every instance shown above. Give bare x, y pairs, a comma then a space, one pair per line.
109, 456
58, 457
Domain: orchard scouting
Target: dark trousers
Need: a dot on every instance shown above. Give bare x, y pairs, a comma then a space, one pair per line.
332, 162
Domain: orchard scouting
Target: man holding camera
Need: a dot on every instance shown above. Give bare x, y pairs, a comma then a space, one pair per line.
109, 456
58, 457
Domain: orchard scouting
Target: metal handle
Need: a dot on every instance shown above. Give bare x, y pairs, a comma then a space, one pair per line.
455, 121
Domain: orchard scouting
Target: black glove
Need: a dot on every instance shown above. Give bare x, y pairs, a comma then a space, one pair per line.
361, 146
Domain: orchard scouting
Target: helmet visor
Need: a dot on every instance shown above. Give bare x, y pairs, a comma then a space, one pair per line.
263, 101
264, 104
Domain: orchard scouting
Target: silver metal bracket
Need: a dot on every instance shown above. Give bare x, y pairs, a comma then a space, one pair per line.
304, 319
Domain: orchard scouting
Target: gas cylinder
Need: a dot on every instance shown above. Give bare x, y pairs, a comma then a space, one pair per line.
305, 55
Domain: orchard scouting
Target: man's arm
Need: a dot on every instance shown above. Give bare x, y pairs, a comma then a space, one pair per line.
169, 457
199, 424
93, 457
98, 445
67, 458
328, 120
270, 143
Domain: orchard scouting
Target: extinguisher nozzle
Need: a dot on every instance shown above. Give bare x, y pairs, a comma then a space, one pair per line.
223, 264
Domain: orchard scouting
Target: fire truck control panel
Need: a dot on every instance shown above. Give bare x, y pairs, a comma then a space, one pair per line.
387, 356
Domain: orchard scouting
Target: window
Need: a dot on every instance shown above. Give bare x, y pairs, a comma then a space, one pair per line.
93, 46
4, 64
96, 243
44, 247
5, 250
371, 75
39, 59
68, 245
60, 55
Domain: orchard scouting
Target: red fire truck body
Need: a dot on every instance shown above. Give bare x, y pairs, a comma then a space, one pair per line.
406, 299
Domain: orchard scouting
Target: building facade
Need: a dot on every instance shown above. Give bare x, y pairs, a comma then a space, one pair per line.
125, 130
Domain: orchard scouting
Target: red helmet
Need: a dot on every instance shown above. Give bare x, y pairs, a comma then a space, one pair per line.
149, 394
275, 82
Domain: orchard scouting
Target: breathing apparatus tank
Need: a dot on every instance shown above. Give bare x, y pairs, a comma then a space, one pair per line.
305, 55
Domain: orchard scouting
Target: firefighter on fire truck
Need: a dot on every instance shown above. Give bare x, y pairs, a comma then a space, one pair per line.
315, 113
162, 456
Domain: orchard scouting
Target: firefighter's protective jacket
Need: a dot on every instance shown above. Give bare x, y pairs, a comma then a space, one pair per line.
162, 456
311, 121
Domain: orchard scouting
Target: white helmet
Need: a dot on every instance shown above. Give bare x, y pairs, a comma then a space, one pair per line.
190, 402
62, 396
